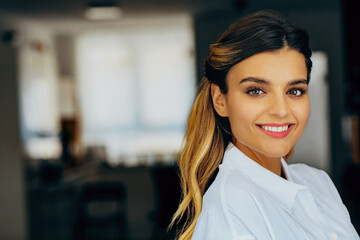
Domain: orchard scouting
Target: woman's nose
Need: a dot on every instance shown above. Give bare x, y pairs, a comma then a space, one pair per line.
279, 106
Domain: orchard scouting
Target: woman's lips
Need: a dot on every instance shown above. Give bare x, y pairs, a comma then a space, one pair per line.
276, 130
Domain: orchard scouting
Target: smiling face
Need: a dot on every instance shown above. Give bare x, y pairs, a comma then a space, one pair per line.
267, 102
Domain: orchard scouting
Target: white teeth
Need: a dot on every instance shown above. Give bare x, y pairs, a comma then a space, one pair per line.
275, 129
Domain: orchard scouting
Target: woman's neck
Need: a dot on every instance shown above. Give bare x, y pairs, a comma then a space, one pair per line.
272, 164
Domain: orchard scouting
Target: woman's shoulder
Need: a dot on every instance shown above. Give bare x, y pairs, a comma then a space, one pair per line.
323, 189
317, 180
228, 185
305, 174
231, 201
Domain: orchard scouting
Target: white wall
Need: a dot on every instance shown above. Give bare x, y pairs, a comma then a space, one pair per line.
12, 184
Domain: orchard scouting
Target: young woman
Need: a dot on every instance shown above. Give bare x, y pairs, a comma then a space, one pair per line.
252, 108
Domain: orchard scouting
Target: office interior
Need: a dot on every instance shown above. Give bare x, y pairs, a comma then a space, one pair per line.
93, 108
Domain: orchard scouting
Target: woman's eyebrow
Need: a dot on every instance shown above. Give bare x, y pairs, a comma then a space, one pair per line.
263, 81
254, 79
297, 82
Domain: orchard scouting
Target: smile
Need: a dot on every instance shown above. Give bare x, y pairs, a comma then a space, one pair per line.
276, 130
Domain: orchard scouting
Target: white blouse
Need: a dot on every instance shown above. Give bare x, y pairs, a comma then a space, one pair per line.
248, 202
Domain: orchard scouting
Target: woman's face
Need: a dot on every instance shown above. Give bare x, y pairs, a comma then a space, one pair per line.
267, 102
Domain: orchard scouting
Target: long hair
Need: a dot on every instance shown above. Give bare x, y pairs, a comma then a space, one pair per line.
207, 133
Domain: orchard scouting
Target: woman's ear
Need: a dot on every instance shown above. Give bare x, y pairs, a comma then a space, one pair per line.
218, 99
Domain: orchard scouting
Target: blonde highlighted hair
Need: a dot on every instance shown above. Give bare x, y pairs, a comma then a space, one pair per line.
207, 133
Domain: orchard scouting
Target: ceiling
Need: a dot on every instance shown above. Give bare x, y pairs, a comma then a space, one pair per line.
74, 9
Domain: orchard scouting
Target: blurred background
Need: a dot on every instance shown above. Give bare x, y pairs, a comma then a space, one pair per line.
94, 98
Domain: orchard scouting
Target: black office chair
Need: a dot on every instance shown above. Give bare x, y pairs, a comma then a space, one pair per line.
102, 212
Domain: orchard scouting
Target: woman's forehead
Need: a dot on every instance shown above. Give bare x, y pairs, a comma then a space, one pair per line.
280, 65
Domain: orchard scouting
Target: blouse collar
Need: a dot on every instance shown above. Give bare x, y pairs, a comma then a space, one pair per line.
278, 188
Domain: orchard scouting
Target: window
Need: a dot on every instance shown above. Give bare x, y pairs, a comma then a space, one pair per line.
136, 86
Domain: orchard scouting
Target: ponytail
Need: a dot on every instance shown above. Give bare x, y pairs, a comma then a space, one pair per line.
201, 155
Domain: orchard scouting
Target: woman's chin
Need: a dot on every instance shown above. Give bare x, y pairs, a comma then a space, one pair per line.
276, 152
273, 151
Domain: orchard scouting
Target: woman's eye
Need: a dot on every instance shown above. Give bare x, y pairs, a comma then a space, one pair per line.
255, 92
296, 92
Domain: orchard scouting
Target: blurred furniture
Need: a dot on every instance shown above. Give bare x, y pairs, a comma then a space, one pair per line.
51, 212
102, 212
69, 141
167, 196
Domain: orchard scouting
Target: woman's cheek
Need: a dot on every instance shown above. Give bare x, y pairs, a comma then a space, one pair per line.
302, 112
